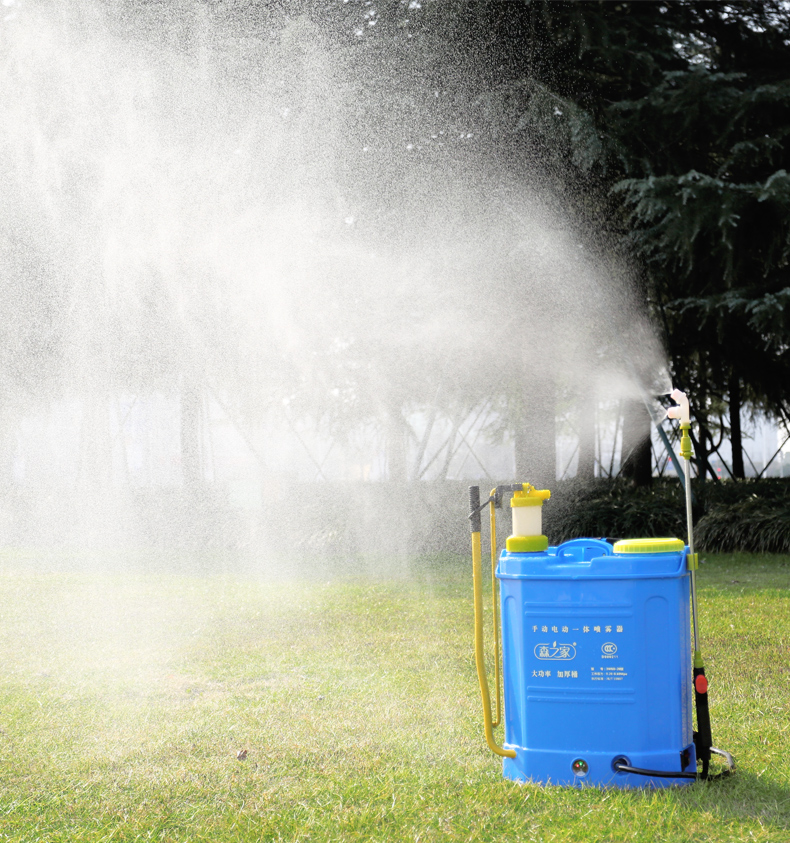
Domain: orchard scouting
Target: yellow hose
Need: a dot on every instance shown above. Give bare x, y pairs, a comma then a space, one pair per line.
477, 577
495, 613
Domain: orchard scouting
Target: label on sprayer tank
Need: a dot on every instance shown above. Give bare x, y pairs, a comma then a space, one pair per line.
589, 649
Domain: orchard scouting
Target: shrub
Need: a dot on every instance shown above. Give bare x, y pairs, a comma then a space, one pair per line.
757, 525
615, 509
750, 515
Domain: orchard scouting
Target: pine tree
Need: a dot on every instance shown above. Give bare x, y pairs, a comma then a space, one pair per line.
709, 202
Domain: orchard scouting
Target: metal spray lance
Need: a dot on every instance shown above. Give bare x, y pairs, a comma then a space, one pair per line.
683, 412
703, 738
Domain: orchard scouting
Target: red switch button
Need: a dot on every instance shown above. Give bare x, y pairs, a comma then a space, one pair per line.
701, 684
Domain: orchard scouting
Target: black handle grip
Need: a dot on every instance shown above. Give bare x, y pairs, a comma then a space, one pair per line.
703, 739
474, 508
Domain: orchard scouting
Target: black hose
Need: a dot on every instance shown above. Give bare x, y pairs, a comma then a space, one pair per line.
666, 774
659, 774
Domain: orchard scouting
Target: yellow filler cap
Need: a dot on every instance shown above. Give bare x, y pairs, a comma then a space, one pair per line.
649, 546
526, 544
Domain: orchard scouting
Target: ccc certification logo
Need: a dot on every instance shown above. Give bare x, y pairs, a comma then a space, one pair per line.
609, 649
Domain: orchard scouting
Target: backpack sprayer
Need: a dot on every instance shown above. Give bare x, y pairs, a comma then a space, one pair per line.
596, 649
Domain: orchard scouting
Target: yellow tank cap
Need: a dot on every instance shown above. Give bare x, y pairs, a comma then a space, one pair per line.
649, 546
529, 496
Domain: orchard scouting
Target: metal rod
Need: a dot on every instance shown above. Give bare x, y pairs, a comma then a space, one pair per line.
689, 521
672, 455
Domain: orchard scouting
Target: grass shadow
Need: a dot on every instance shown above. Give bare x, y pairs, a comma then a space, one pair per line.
747, 795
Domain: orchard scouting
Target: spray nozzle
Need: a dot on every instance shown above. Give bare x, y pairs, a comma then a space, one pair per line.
682, 411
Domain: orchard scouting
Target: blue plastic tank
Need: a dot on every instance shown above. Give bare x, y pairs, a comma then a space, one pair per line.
596, 653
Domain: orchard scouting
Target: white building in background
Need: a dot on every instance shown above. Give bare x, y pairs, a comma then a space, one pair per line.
135, 442
784, 457
766, 451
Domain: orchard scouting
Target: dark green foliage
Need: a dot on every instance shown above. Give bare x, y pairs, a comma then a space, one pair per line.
745, 516
750, 515
772, 490
615, 509
756, 525
709, 206
667, 126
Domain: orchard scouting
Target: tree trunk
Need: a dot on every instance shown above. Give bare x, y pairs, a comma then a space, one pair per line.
736, 436
702, 456
586, 428
94, 471
637, 456
423, 444
191, 429
8, 444
534, 431
395, 444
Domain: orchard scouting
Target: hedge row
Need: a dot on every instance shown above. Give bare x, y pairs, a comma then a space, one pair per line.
750, 515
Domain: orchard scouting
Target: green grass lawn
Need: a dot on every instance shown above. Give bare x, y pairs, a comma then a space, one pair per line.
125, 698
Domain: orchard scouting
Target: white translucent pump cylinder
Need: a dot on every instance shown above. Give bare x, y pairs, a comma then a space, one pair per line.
527, 520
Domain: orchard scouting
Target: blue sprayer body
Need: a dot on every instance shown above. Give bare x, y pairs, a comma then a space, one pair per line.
596, 650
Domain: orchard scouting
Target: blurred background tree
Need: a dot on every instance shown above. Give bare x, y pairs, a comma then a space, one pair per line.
665, 127
148, 219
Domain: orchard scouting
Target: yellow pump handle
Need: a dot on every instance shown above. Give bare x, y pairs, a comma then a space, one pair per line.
477, 578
